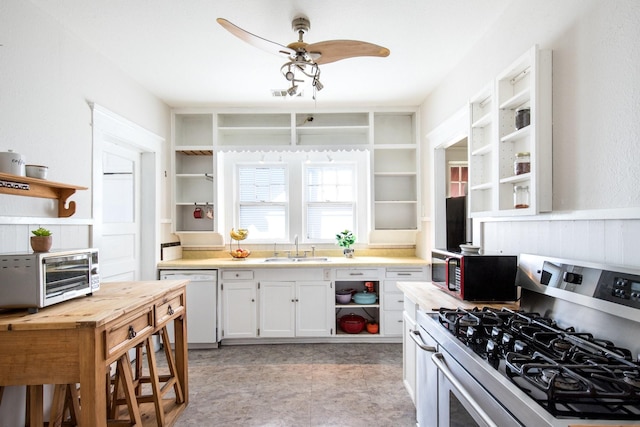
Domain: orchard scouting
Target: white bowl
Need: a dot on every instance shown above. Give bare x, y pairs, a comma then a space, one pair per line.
37, 171
470, 249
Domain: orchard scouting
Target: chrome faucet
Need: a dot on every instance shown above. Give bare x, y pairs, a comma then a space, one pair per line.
295, 240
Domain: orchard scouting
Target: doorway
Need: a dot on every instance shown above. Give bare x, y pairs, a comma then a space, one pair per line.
449, 148
126, 197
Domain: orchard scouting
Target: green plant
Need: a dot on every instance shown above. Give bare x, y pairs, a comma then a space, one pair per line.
345, 238
42, 232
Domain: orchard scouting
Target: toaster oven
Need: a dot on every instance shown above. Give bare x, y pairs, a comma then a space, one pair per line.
37, 280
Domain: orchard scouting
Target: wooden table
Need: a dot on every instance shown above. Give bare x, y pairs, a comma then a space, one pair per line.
76, 341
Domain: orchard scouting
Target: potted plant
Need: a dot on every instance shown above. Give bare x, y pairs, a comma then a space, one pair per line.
41, 240
345, 239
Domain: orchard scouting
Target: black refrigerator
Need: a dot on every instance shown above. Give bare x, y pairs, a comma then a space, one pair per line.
458, 229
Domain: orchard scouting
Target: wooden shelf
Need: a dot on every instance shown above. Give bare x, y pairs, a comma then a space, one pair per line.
34, 187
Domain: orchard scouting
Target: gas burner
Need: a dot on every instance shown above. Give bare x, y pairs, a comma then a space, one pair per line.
559, 380
632, 378
467, 320
561, 345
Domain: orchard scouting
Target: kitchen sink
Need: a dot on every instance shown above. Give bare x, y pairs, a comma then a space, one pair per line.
297, 259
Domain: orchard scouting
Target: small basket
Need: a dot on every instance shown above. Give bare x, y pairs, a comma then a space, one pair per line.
240, 255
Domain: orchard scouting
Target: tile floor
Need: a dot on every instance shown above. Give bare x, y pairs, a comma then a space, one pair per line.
298, 385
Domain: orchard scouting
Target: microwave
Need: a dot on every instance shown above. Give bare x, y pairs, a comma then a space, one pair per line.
490, 278
37, 280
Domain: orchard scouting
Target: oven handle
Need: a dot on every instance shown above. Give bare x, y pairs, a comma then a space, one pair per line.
415, 336
438, 360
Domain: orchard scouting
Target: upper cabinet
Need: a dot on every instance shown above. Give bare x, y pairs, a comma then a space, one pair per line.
193, 160
395, 172
510, 140
199, 134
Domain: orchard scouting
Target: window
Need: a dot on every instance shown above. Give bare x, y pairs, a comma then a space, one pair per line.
330, 200
278, 195
263, 201
458, 177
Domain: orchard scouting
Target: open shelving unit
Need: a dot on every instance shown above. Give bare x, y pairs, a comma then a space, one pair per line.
495, 140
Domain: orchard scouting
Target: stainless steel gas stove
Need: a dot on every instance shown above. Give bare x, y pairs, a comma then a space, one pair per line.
569, 356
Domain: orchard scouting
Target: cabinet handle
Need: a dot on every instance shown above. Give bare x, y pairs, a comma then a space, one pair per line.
400, 300
356, 274
131, 334
404, 274
253, 300
293, 300
170, 310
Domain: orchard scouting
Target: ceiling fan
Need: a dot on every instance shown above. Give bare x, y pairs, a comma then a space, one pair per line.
304, 58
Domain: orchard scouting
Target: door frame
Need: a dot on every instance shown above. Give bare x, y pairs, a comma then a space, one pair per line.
108, 126
451, 131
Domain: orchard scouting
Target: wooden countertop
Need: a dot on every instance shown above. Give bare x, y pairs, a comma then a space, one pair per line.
111, 301
430, 298
363, 261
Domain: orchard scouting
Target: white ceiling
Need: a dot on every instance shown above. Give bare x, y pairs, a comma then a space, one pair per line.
176, 50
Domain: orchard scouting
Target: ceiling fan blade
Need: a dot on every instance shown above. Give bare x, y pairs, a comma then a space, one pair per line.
254, 40
335, 50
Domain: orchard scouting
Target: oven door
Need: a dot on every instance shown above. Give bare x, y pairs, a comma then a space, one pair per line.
462, 401
66, 276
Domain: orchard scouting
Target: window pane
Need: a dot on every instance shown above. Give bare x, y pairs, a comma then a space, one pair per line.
326, 219
330, 184
263, 221
455, 173
262, 184
263, 201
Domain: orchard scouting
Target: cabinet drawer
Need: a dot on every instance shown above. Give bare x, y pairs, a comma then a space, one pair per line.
394, 302
405, 273
357, 273
237, 275
169, 308
393, 323
124, 333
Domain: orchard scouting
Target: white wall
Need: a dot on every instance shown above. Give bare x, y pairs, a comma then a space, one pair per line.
596, 106
48, 76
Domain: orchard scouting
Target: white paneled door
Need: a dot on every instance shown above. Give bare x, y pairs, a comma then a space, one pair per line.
120, 247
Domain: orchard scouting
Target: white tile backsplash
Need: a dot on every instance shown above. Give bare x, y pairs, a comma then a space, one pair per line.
15, 237
612, 241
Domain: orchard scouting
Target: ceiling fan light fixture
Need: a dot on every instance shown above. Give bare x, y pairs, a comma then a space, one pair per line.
305, 58
293, 90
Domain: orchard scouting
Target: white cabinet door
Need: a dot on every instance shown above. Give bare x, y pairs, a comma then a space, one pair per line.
289, 309
409, 357
314, 308
239, 310
277, 309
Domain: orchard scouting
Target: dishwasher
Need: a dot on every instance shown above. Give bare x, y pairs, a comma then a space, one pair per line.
202, 290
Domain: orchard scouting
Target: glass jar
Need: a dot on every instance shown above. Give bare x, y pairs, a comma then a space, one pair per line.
520, 197
523, 118
522, 163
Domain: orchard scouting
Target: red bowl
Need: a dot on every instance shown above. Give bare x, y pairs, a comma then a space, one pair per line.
352, 323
